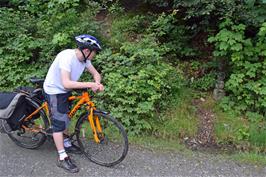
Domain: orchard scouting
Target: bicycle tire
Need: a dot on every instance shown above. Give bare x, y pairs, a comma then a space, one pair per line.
100, 153
34, 139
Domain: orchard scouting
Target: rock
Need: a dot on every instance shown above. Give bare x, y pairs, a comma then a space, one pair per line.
202, 99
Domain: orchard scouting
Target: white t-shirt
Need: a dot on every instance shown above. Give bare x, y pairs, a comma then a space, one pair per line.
68, 61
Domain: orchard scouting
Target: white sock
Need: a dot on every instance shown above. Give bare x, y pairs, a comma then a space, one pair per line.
67, 143
62, 154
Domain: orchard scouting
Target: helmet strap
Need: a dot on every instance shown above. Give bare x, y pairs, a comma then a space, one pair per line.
85, 57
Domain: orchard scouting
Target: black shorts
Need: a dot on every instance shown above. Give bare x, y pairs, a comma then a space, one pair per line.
59, 108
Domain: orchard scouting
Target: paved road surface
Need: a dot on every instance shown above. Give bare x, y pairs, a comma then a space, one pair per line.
16, 161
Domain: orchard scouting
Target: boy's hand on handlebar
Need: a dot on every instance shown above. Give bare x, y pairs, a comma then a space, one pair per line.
101, 87
97, 87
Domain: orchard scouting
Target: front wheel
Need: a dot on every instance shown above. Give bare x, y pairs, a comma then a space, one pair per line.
113, 145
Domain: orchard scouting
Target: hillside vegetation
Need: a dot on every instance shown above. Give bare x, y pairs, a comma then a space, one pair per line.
157, 57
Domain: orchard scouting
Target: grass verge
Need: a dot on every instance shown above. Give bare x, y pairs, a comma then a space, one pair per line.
250, 158
178, 121
158, 144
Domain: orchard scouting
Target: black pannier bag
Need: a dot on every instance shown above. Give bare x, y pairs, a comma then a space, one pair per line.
13, 108
34, 93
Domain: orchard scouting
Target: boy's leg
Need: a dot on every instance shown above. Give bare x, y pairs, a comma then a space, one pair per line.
64, 161
60, 122
59, 141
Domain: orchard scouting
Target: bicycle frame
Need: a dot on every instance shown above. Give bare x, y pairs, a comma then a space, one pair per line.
83, 99
45, 107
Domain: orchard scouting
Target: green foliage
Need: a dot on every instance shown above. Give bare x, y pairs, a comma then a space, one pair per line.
257, 135
257, 129
19, 49
254, 157
173, 37
35, 33
138, 83
116, 9
139, 80
203, 13
247, 77
205, 83
245, 83
200, 75
179, 120
229, 127
127, 28
246, 133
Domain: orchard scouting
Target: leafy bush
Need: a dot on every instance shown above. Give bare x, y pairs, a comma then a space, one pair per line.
204, 83
33, 33
246, 83
127, 28
200, 75
19, 49
202, 14
138, 83
174, 37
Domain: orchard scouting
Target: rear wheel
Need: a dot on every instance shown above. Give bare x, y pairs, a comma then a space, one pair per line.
31, 133
113, 145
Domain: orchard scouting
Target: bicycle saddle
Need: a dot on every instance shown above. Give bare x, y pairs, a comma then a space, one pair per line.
37, 81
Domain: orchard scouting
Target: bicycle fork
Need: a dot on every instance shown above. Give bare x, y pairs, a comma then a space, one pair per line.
95, 125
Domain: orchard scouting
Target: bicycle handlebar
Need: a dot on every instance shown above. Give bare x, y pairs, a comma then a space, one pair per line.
81, 90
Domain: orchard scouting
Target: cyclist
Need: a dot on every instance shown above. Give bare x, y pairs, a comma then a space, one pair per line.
62, 77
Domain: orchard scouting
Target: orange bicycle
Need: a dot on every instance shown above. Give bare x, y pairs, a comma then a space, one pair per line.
102, 139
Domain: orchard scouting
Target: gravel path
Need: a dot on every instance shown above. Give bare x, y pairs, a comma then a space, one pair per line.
16, 161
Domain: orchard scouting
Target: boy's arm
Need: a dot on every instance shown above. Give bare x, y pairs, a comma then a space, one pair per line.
96, 76
69, 84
